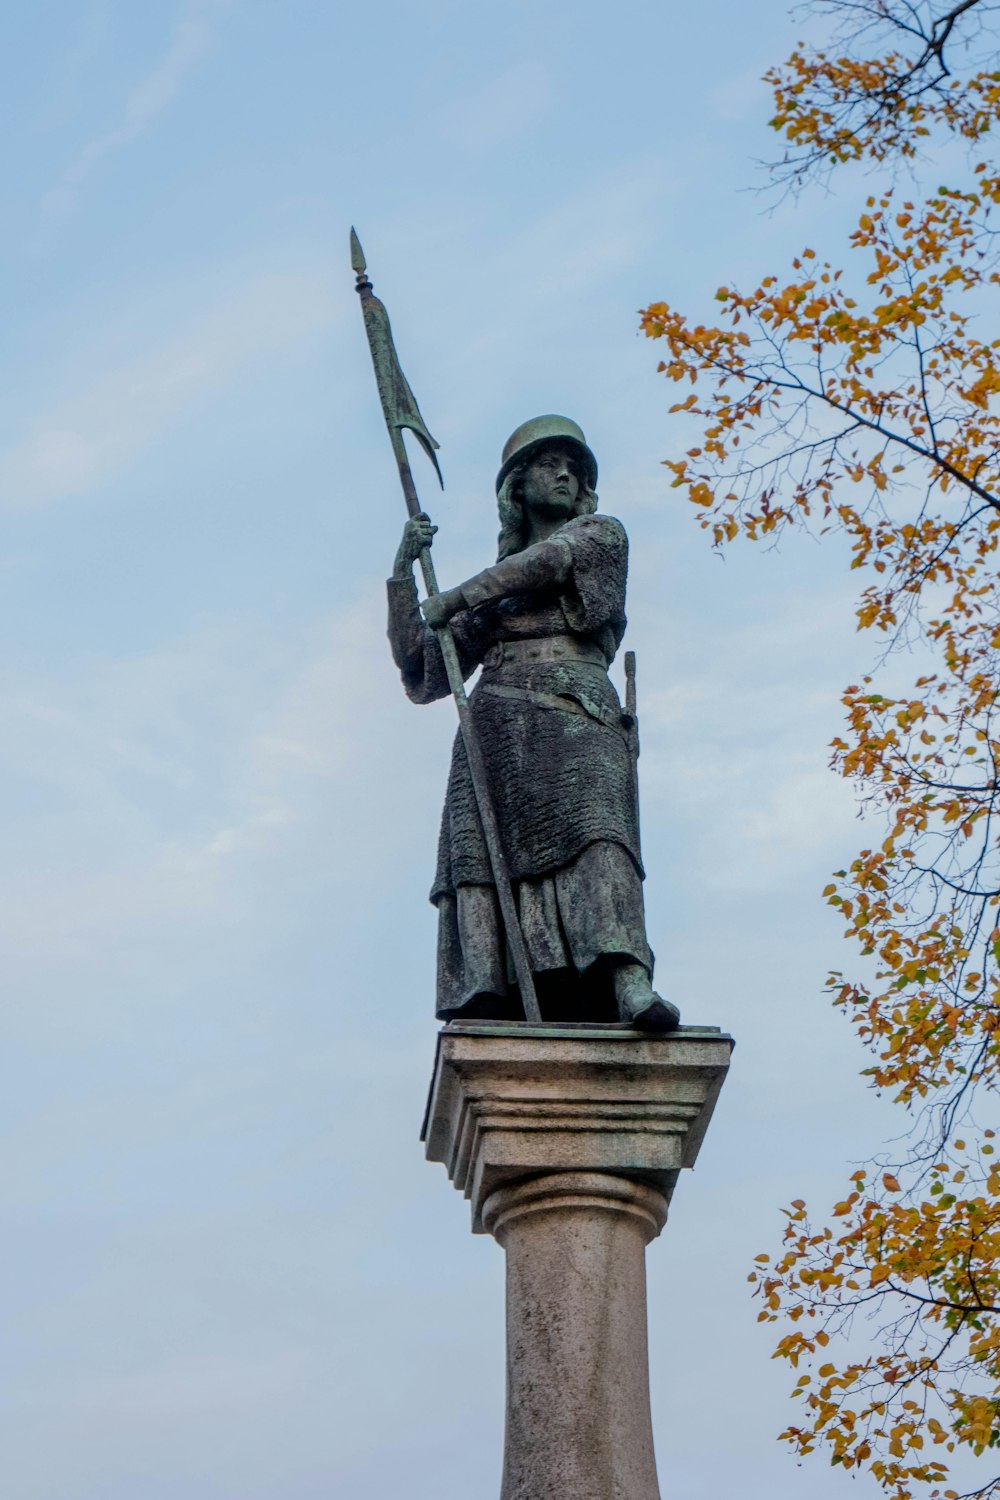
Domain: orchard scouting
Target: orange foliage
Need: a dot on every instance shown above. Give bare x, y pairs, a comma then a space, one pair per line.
870, 410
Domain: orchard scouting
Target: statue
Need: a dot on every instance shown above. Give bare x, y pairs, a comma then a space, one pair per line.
539, 876
544, 623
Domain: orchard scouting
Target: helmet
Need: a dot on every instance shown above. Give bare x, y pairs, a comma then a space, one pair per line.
531, 435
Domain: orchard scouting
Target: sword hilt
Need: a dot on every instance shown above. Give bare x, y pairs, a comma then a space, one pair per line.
630, 683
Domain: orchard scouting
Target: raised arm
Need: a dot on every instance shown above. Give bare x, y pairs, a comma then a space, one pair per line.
540, 566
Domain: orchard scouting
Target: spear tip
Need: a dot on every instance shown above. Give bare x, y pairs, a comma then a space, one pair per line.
357, 254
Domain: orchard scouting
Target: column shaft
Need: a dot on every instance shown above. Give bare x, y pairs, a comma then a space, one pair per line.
578, 1421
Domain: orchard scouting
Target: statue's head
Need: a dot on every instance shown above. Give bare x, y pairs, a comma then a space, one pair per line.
535, 457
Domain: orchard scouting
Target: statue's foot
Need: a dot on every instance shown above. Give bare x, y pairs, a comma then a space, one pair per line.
661, 1016
639, 1004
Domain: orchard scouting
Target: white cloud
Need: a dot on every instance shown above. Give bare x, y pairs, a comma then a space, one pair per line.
155, 91
89, 438
499, 110
735, 733
187, 787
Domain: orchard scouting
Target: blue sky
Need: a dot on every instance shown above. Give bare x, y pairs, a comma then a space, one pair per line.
228, 1273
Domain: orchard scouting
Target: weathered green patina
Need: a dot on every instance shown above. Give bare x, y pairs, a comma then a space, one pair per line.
543, 623
539, 875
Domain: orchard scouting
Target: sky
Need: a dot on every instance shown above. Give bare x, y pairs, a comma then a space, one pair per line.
227, 1271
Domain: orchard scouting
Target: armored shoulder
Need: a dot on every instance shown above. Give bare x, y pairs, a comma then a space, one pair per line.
602, 531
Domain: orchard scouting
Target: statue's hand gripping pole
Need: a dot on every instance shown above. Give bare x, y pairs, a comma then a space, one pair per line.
400, 410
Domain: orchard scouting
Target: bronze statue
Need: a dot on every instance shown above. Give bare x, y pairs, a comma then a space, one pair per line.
539, 876
544, 622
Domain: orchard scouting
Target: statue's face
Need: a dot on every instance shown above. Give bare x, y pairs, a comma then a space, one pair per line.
550, 483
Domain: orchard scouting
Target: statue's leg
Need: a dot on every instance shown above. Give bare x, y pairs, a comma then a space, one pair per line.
602, 913
472, 968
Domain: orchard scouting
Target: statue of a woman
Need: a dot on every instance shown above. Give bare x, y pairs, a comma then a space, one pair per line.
544, 623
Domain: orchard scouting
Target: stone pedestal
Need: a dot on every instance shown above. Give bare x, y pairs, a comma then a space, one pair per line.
568, 1141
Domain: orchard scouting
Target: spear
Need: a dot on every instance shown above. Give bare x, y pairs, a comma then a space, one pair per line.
399, 407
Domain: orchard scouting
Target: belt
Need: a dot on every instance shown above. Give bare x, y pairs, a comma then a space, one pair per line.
577, 703
544, 649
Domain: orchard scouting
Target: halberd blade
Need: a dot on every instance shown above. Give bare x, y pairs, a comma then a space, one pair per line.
358, 265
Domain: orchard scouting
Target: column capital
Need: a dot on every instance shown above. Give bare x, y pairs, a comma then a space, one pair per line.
563, 1192
509, 1102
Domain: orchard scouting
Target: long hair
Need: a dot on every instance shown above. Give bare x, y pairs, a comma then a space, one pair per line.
510, 508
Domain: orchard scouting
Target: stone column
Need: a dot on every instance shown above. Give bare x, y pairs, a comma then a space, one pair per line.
568, 1141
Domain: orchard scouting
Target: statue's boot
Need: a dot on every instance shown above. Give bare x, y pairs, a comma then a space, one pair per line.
639, 1003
